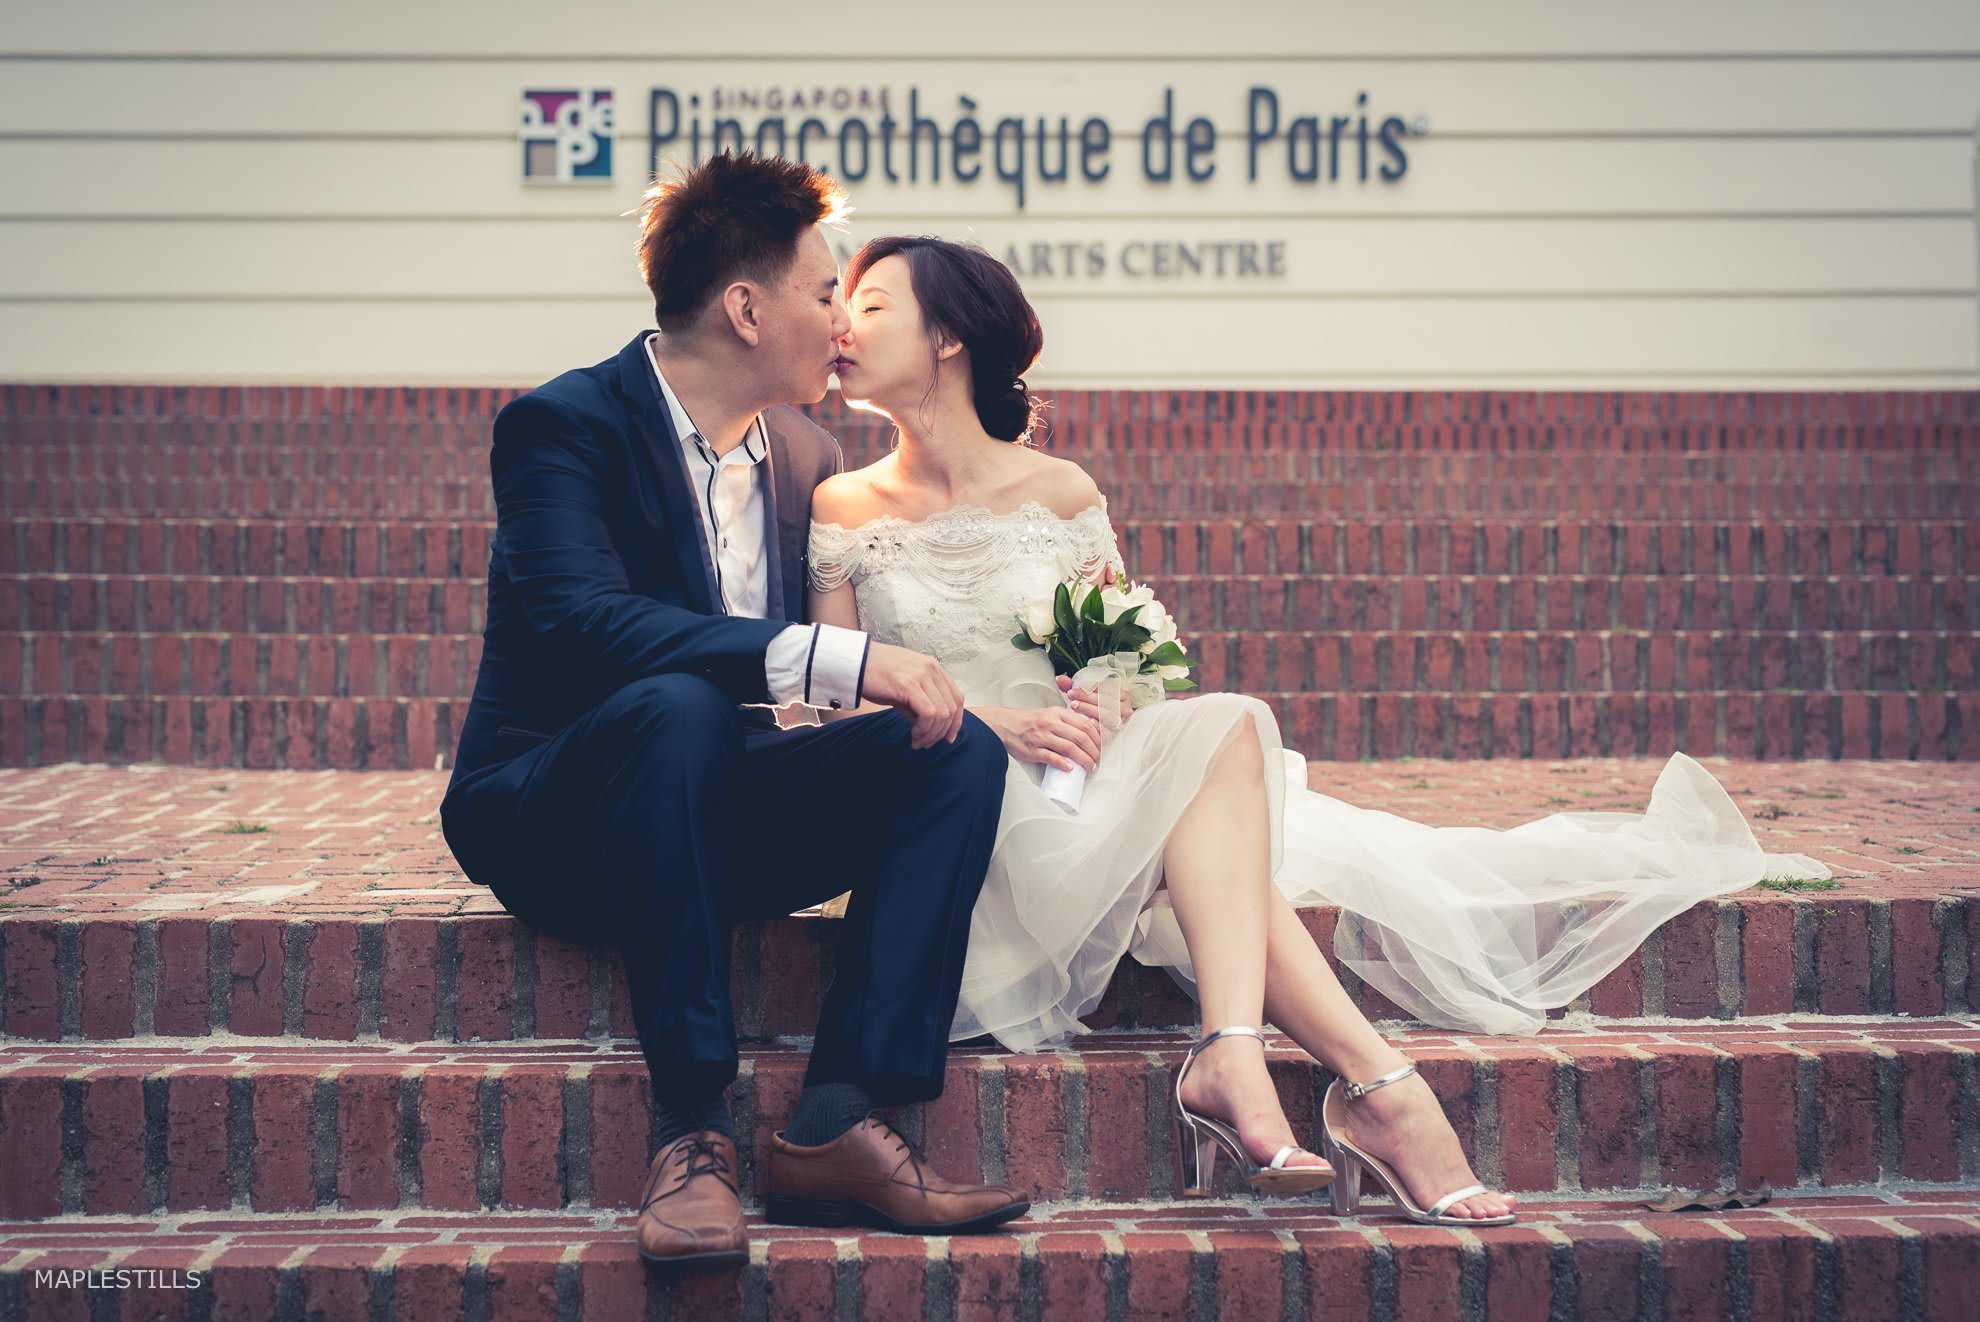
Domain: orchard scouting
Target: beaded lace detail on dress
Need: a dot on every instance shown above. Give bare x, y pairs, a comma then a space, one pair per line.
955, 583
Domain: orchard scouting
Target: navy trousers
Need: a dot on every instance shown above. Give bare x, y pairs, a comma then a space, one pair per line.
660, 816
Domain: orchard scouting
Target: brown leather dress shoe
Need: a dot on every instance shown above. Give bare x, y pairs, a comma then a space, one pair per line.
869, 1176
690, 1213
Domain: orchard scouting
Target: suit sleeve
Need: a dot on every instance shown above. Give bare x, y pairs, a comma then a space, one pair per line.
819, 665
548, 474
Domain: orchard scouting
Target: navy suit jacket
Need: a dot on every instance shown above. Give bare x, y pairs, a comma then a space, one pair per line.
600, 574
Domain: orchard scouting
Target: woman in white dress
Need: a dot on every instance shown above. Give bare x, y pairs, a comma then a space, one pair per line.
1196, 833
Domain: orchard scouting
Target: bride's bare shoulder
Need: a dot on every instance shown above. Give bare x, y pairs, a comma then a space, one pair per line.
1062, 486
848, 499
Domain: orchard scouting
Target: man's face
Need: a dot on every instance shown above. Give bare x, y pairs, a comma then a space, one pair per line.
803, 318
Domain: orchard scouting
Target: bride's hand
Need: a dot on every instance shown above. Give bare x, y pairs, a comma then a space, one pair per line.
1087, 703
1054, 736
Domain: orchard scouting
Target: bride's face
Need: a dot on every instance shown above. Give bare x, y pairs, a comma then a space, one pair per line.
885, 359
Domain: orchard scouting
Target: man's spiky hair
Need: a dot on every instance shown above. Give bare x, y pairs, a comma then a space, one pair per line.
736, 216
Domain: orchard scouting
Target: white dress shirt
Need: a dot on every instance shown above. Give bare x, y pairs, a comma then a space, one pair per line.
817, 665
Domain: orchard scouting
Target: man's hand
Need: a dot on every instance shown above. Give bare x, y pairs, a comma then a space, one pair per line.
919, 687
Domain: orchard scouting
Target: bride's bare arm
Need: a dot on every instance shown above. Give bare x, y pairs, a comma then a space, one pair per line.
897, 677
838, 607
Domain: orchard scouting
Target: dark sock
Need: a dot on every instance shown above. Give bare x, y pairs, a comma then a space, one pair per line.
826, 1110
679, 1116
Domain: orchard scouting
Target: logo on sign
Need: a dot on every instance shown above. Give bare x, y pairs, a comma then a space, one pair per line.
567, 136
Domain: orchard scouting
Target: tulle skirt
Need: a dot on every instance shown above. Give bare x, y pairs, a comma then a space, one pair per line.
1466, 927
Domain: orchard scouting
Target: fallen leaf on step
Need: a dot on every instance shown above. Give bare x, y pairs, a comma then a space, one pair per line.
1712, 1200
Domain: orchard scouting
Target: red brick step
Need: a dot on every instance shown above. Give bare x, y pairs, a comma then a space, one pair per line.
1390, 498
1343, 660
272, 603
165, 1125
1848, 1256
369, 547
393, 965
386, 733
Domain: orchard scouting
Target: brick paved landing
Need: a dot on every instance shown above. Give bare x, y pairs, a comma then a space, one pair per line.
148, 840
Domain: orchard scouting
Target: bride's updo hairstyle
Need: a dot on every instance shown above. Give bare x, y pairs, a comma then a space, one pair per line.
970, 298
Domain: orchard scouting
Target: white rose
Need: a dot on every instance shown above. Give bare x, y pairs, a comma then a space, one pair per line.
1140, 595
1172, 672
1113, 602
1154, 618
1038, 623
1149, 646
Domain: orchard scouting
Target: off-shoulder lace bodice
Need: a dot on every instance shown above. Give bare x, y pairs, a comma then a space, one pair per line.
953, 585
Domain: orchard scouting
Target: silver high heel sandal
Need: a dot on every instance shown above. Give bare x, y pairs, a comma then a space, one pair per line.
1198, 1137
1352, 1163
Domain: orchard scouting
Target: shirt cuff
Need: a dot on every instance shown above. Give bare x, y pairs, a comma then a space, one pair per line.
819, 665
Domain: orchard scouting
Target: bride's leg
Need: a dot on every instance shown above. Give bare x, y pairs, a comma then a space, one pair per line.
1403, 1123
1217, 866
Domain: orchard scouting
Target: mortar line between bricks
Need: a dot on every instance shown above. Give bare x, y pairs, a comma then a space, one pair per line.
990, 1109
370, 976
1292, 1278
569, 1285
1911, 1268
70, 1172
1487, 1125
144, 980
1969, 1114
1648, 1168
1649, 1269
68, 979
1563, 1282
1384, 1287
1725, 1113
1807, 1112
938, 1279
298, 936
1202, 1277
1472, 1274
847, 1264
1074, 1084
1887, 1123
1031, 1285
756, 1282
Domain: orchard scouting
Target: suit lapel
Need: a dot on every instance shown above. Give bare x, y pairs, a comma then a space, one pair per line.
663, 451
787, 528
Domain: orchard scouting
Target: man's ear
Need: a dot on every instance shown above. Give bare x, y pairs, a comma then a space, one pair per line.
742, 304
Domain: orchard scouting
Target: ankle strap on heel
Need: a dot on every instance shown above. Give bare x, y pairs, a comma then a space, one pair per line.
1356, 1091
1208, 1038
1189, 1058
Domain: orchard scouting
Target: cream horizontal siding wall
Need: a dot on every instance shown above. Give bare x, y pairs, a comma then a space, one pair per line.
1749, 196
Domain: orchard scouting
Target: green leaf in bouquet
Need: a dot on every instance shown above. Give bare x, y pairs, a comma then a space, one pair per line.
1128, 640
1127, 636
1022, 641
1065, 652
1062, 614
1170, 654
1173, 685
1093, 608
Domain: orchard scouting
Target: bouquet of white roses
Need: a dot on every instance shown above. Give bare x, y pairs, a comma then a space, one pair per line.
1111, 639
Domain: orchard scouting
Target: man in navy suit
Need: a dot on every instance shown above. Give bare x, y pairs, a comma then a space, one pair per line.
620, 776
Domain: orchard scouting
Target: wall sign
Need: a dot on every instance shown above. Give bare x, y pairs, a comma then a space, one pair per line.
567, 135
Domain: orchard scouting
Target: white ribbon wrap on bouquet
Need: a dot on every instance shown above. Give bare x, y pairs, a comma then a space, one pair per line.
1106, 677
1010, 677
